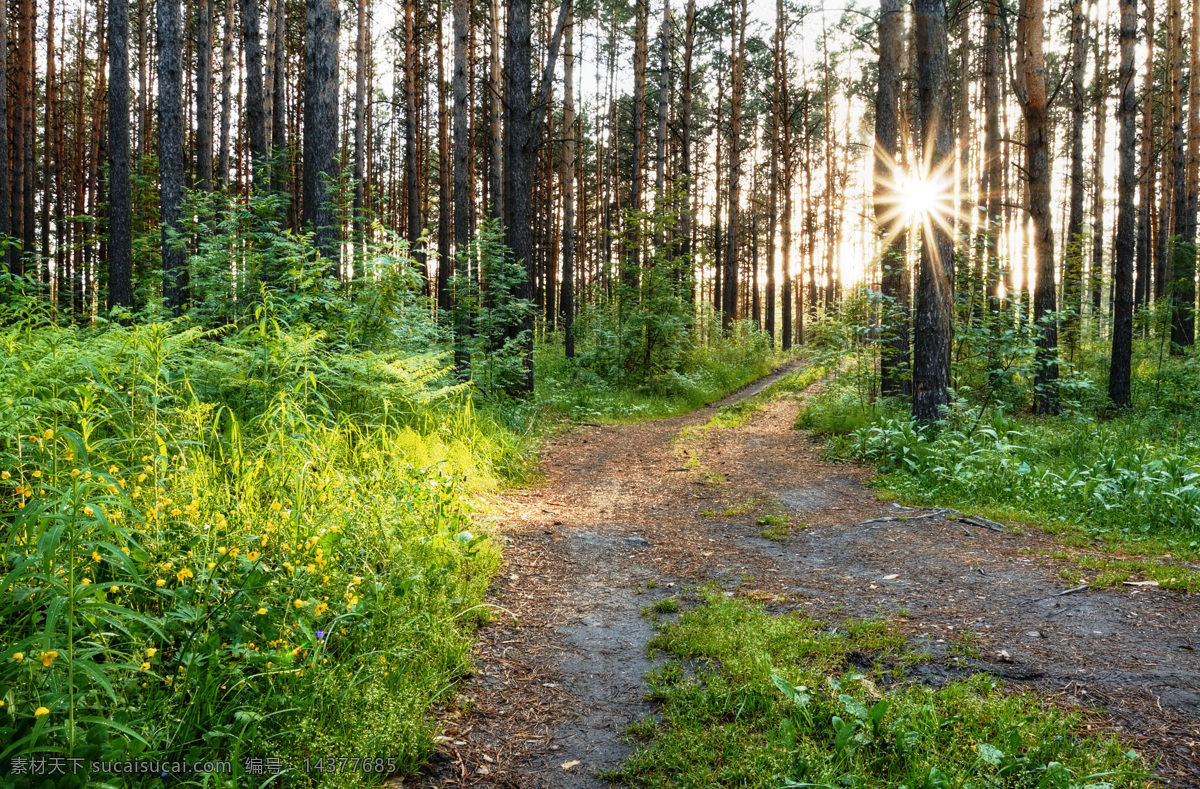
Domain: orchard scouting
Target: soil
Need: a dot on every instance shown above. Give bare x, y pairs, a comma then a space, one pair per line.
560, 668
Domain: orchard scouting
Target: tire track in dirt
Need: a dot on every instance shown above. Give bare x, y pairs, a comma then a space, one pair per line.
622, 506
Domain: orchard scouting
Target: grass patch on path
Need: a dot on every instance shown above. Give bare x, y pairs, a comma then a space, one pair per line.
754, 699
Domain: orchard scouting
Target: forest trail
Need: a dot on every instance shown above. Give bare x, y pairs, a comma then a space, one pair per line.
670, 504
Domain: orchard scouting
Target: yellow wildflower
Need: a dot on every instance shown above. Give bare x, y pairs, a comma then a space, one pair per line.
145, 667
261, 612
183, 575
114, 588
49, 434
299, 603
252, 556
141, 477
112, 469
312, 568
160, 582
18, 656
233, 552
40, 711
212, 565
74, 472
151, 652
86, 582
5, 475
88, 510
97, 557
222, 551
48, 658
37, 474
321, 609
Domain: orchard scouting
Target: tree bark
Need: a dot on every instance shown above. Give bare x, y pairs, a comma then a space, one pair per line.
462, 173
736, 90
1143, 286
5, 184
568, 190
255, 105
320, 126
170, 152
360, 121
445, 202
120, 232
633, 241
1122, 347
204, 103
685, 154
1072, 276
893, 361
934, 297
1031, 92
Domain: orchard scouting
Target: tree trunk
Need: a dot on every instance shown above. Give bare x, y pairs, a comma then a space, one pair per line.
445, 202
255, 106
1183, 324
495, 112
320, 126
412, 179
934, 298
568, 190
519, 144
633, 241
1146, 169
1182, 258
5, 185
993, 67
170, 152
1122, 347
1031, 91
204, 104
685, 157
48, 171
1072, 276
226, 96
1096, 278
462, 172
736, 90
120, 233
360, 121
893, 362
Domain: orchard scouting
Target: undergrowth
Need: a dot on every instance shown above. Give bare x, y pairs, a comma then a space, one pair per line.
753, 699
251, 543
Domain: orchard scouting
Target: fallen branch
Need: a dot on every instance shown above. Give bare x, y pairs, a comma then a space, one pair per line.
983, 523
1079, 588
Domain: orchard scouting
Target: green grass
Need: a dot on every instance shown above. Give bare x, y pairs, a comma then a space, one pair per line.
1124, 482
752, 699
574, 391
207, 555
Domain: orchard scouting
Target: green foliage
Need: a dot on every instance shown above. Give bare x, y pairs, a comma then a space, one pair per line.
238, 543
485, 276
774, 700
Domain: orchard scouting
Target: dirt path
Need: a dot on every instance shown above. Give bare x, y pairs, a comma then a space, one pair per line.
626, 505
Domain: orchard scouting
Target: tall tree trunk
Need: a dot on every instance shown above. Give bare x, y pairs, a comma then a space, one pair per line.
1072, 276
204, 103
120, 232
519, 145
462, 174
5, 183
226, 96
664, 74
685, 157
893, 362
47, 159
1183, 323
445, 203
320, 125
567, 177
1181, 262
934, 298
495, 112
737, 20
412, 178
785, 150
633, 241
1146, 168
1122, 347
1096, 278
777, 111
170, 152
1031, 92
993, 158
278, 97
360, 121
256, 116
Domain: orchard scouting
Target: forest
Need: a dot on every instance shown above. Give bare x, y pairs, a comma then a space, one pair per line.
363, 362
